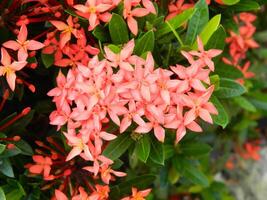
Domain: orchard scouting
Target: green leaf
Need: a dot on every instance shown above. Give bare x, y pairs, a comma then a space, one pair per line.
196, 176
227, 71
175, 22
199, 19
208, 30
48, 59
244, 103
259, 100
2, 148
2, 194
140, 182
115, 49
222, 119
230, 2
229, 88
145, 43
217, 40
25, 148
14, 190
195, 149
118, 146
6, 168
191, 172
118, 29
142, 148
10, 152
157, 152
244, 5
101, 34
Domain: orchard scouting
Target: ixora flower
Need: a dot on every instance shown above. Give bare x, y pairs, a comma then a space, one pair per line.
130, 13
9, 68
22, 45
94, 11
66, 30
138, 195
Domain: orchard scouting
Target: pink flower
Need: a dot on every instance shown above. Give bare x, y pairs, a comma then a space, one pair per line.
205, 56
133, 114
22, 45
9, 68
66, 30
94, 11
129, 14
138, 195
177, 7
101, 193
121, 59
43, 165
60, 195
106, 173
191, 78
199, 106
79, 144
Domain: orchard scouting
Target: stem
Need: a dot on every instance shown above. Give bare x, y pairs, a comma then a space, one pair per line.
175, 34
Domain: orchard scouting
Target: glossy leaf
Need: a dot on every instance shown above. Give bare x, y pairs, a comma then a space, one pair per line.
197, 22
145, 43
229, 88
175, 22
48, 59
157, 152
222, 119
142, 148
6, 168
244, 103
208, 30
195, 149
118, 29
118, 146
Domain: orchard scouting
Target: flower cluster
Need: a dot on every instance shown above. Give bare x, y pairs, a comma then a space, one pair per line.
21, 46
241, 42
129, 91
99, 11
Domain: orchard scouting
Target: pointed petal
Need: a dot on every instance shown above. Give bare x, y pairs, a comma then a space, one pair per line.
23, 33
12, 45
34, 45
159, 132
5, 57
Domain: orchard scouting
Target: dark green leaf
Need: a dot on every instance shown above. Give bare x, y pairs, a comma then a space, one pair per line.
118, 29
145, 43
244, 103
245, 5
175, 22
6, 168
222, 118
217, 40
24, 147
101, 34
197, 22
195, 149
229, 88
196, 176
118, 146
140, 182
227, 71
2, 148
157, 152
142, 148
48, 59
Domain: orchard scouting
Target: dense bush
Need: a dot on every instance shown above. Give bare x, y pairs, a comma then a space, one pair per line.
129, 99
